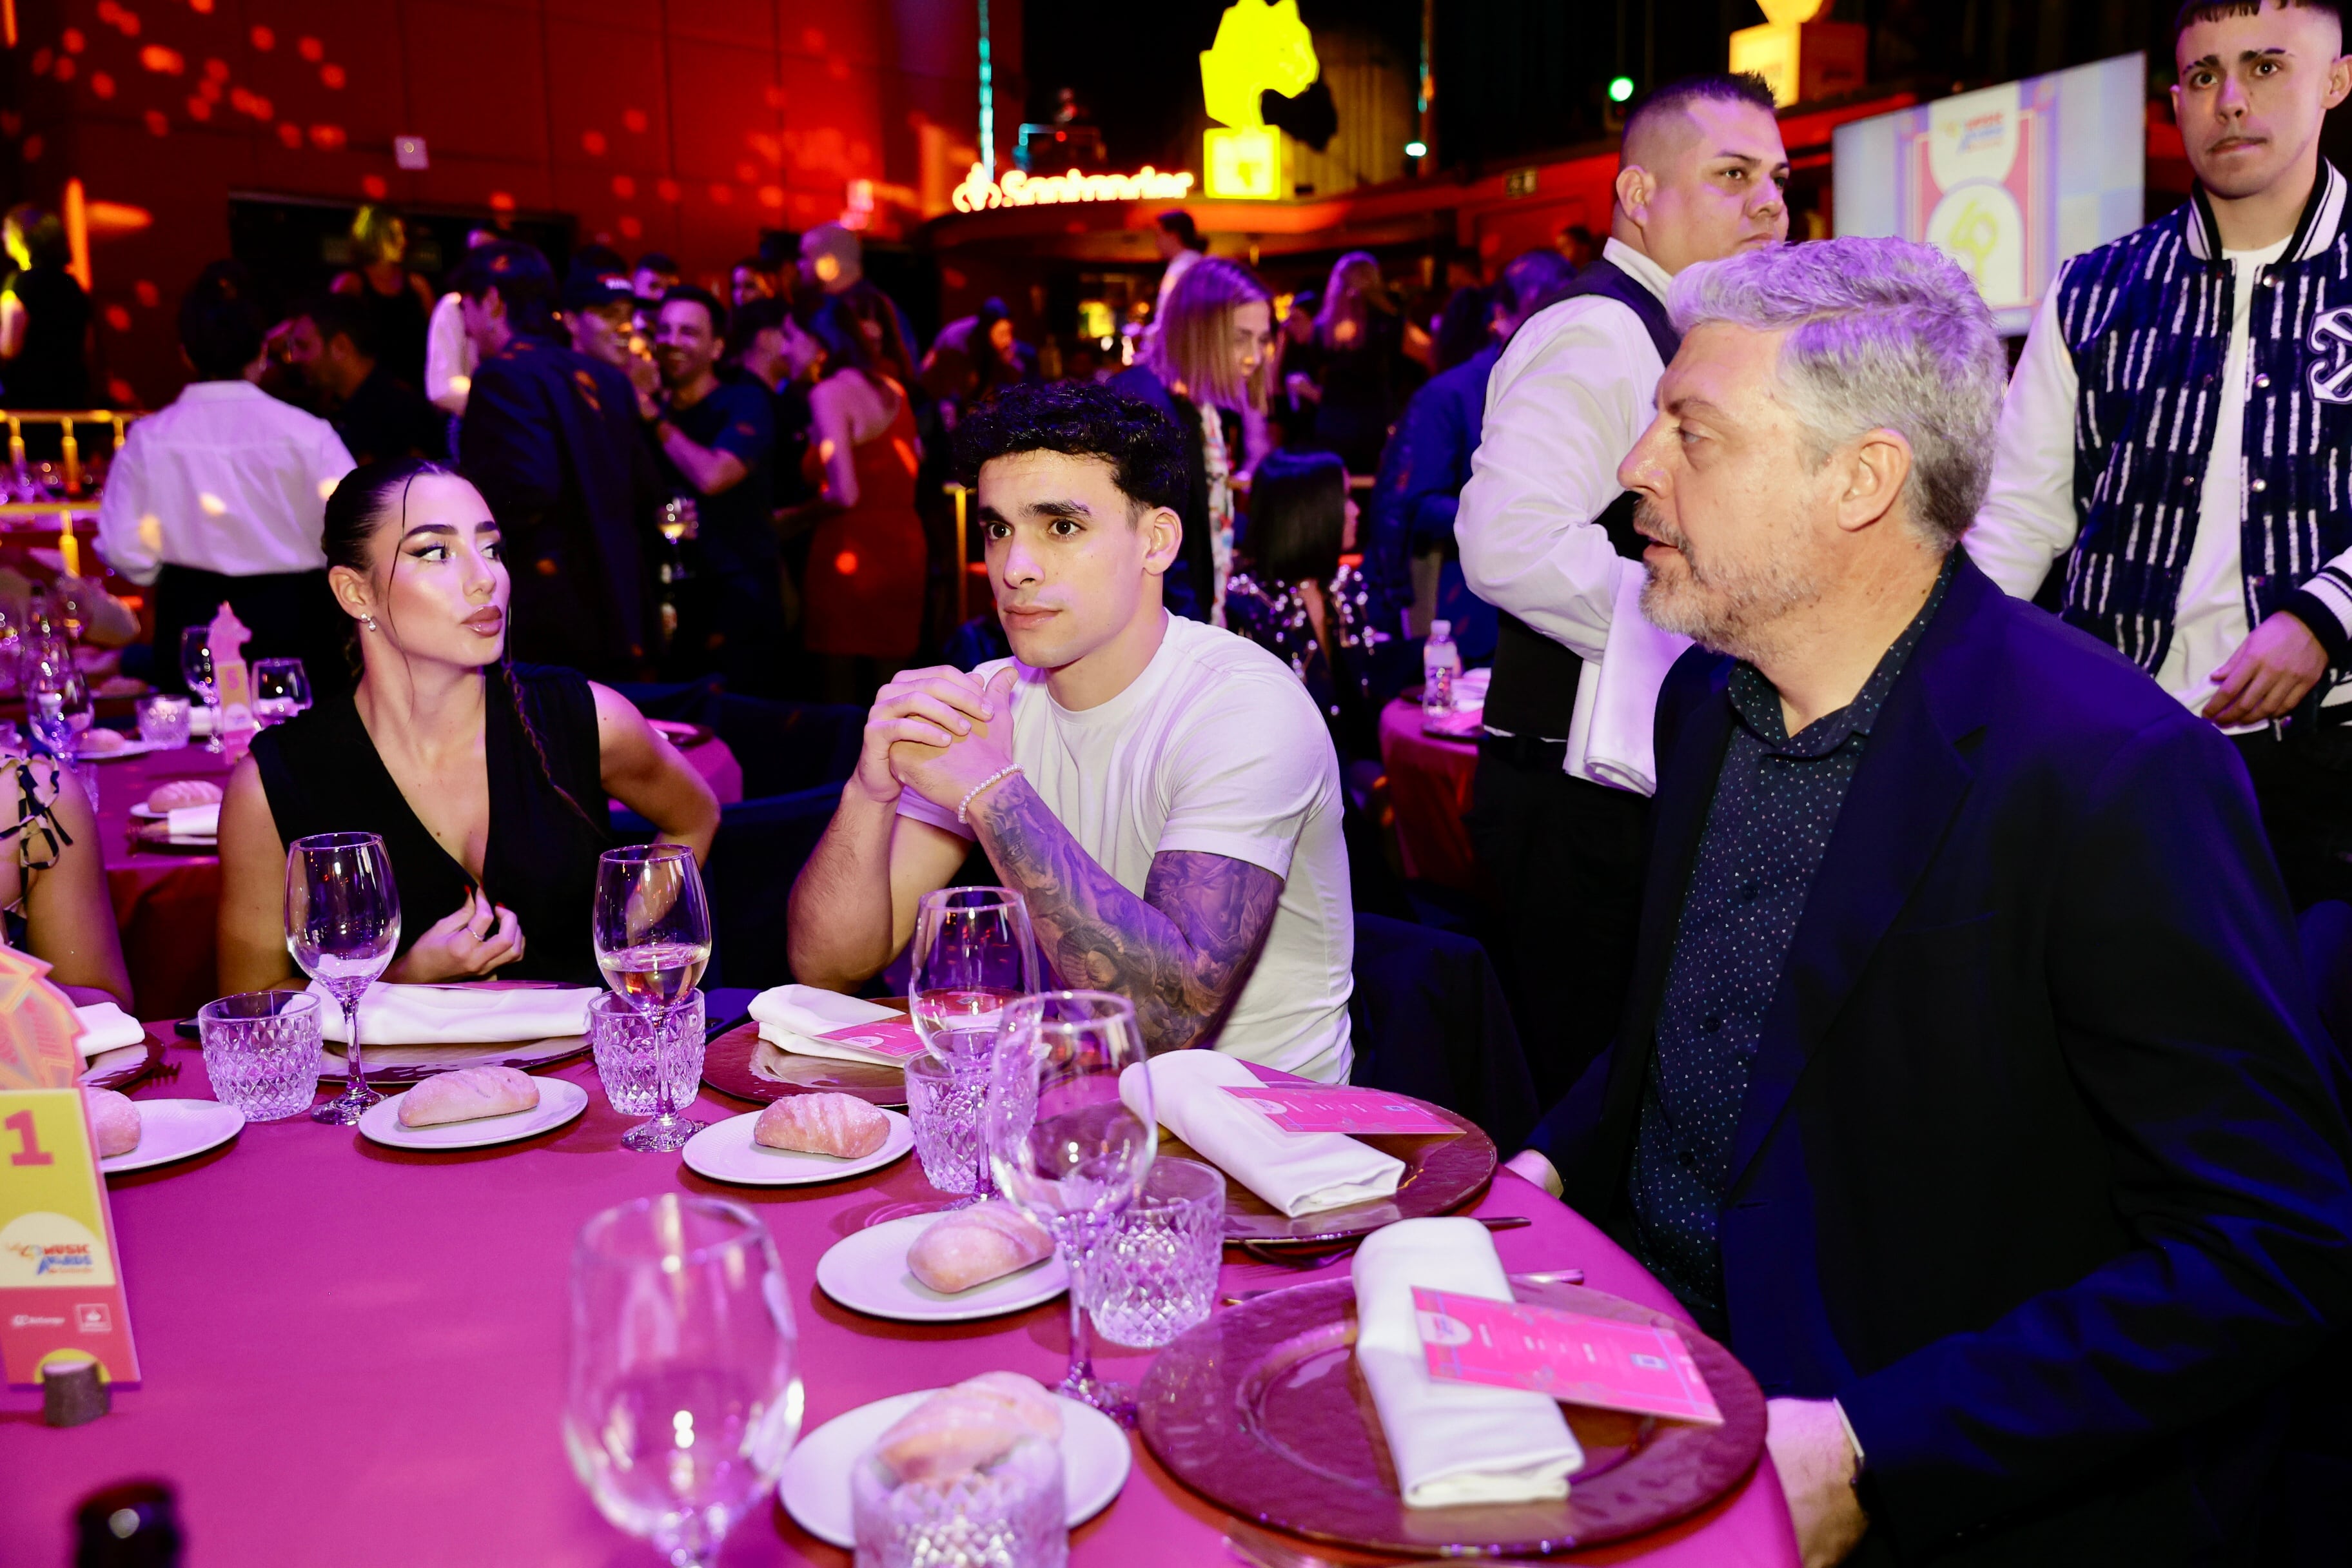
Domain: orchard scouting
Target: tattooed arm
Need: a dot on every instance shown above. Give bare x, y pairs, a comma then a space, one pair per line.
1180, 953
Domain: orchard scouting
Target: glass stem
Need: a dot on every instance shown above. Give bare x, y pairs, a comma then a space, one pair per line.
354, 1071
665, 1103
1081, 1372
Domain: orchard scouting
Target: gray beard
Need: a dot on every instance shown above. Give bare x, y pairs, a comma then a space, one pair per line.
1727, 610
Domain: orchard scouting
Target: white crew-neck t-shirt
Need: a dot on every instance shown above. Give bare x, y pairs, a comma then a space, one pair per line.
1215, 748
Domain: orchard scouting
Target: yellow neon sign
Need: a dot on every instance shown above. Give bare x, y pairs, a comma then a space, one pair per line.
1260, 44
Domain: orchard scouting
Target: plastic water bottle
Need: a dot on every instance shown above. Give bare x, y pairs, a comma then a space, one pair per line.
1440, 664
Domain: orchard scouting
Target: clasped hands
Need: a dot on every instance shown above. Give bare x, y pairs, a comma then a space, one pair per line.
929, 730
466, 944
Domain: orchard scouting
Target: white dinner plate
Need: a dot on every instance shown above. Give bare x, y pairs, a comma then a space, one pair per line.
814, 1485
173, 1130
133, 746
868, 1273
725, 1151
144, 814
559, 1100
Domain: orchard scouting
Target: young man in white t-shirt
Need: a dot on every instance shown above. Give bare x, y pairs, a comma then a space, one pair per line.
1162, 792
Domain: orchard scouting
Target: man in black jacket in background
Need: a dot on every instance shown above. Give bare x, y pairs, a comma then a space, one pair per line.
551, 439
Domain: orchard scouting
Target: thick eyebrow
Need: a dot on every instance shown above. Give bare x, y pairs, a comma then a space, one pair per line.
1749, 161
2245, 57
1069, 509
488, 525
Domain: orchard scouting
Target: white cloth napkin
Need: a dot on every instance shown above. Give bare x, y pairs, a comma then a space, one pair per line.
790, 1018
194, 821
1453, 1441
1612, 739
459, 1014
107, 1027
1297, 1173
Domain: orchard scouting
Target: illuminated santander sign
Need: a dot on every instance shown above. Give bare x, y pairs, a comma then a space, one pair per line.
1017, 189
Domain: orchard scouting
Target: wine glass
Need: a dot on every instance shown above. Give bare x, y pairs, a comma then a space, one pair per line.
682, 1400
1071, 1135
197, 668
970, 955
651, 930
342, 926
281, 688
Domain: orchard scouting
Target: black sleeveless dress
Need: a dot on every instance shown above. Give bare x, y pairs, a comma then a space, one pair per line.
322, 775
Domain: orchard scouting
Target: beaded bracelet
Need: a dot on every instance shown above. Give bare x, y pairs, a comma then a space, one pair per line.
968, 795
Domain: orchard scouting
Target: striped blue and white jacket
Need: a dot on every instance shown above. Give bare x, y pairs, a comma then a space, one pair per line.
2145, 322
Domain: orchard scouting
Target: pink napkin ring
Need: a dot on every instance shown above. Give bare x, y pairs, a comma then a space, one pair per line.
973, 793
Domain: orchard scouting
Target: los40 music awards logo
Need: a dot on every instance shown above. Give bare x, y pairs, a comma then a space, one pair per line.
40, 1248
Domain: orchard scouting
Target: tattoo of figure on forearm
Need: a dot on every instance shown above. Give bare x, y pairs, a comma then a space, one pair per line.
1180, 953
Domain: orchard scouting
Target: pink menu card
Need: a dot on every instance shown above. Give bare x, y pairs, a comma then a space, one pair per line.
1572, 1356
1317, 1107
890, 1037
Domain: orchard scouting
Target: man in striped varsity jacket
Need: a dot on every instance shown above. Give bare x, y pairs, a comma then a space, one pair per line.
2180, 429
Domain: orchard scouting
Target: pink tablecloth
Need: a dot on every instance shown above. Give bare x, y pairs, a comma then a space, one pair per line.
345, 1344
1429, 787
167, 902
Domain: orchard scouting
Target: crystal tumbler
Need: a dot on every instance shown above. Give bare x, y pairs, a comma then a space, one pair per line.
262, 1051
943, 1101
1009, 1515
1155, 1273
622, 1040
163, 719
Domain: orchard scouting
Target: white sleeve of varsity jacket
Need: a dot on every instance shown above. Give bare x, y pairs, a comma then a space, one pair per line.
2028, 517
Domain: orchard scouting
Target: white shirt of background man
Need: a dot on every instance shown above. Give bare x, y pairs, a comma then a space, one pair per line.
226, 480
449, 357
2029, 522
1216, 748
1571, 395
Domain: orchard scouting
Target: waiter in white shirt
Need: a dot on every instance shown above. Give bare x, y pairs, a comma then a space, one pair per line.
1545, 530
2180, 427
221, 498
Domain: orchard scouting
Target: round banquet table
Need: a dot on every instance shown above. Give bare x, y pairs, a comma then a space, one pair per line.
167, 900
1429, 786
343, 1342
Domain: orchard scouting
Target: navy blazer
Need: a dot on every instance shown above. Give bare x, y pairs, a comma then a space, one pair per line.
2039, 1171
550, 439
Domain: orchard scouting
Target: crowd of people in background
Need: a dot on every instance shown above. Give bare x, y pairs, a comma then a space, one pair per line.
749, 480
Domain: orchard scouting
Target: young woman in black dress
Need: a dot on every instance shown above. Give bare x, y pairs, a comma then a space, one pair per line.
488, 781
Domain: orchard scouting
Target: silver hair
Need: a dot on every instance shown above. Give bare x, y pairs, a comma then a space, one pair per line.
1884, 334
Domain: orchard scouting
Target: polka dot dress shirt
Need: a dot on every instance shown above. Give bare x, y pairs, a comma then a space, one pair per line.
1775, 803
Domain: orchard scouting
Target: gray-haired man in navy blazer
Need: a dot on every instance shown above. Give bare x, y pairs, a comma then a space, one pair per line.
1969, 1084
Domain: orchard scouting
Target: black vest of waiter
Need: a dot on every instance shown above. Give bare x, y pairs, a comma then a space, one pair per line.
1561, 858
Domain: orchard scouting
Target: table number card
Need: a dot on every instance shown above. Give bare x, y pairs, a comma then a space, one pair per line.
892, 1038
60, 1290
1315, 1108
1575, 1357
227, 640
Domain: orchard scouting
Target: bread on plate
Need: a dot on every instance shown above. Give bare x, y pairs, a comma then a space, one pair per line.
965, 1248
839, 1124
116, 1119
468, 1094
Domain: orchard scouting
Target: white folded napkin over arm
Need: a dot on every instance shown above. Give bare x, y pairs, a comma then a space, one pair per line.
459, 1014
793, 1018
1613, 736
107, 1027
1297, 1173
1453, 1443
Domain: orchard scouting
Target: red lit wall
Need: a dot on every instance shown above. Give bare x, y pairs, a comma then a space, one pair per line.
680, 125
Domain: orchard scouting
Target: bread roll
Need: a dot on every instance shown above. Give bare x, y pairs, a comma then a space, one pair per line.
970, 1247
116, 1118
181, 793
968, 1427
98, 743
839, 1124
466, 1095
